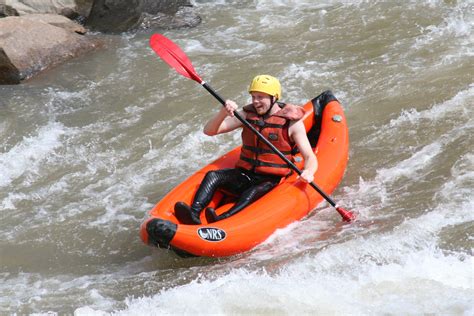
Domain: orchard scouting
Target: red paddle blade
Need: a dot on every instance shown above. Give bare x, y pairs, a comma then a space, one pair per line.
345, 214
173, 56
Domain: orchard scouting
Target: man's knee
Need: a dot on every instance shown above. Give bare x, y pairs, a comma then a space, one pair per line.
265, 187
213, 176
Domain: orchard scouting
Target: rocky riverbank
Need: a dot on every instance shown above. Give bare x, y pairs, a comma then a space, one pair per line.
36, 35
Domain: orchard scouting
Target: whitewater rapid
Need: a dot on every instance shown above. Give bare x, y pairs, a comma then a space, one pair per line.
89, 147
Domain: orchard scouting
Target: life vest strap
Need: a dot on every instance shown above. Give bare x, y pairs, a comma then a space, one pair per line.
259, 150
258, 163
263, 124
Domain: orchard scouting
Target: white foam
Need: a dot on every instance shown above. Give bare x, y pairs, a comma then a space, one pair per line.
28, 155
8, 203
454, 24
399, 271
195, 46
418, 160
409, 167
458, 189
265, 5
456, 112
187, 140
118, 198
457, 25
458, 107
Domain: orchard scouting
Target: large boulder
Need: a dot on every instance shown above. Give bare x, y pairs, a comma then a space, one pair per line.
6, 10
112, 16
125, 15
57, 20
69, 8
184, 17
33, 43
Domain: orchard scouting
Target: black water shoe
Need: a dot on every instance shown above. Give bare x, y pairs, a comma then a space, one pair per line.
211, 215
185, 214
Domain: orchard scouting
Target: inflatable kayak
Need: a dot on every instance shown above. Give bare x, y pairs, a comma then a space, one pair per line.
289, 201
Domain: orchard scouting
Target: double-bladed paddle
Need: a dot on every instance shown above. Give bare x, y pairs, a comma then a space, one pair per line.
172, 54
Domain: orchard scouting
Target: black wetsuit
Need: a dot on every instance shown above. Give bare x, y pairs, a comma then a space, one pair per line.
245, 184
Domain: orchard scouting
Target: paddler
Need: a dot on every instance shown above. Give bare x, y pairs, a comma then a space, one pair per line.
259, 169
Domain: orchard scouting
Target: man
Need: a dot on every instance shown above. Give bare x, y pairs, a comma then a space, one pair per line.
259, 169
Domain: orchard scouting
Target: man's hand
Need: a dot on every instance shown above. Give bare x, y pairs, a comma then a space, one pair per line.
307, 176
230, 107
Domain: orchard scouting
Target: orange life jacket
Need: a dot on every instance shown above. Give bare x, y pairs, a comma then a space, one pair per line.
258, 157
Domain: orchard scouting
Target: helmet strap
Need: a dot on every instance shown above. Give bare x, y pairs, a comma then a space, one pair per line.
274, 100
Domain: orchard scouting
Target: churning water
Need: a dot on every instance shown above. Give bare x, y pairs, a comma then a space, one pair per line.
87, 148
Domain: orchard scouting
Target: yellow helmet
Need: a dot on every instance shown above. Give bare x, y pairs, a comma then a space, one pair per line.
266, 84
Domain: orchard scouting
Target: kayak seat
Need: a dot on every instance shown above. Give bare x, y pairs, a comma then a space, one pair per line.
319, 103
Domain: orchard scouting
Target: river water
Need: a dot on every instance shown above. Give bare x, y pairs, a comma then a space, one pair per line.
87, 148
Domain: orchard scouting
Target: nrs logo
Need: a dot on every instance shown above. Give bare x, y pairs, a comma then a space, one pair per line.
211, 234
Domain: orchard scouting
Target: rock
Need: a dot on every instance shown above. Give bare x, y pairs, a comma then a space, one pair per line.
167, 6
184, 17
8, 72
31, 44
83, 7
124, 15
114, 15
72, 9
6, 10
41, 6
57, 20
69, 13
34, 41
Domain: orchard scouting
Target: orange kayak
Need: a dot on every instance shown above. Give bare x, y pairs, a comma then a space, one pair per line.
288, 202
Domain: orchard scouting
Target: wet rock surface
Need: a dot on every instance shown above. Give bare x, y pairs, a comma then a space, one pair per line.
33, 43
124, 15
38, 34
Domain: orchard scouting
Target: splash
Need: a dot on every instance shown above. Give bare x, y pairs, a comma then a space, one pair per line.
25, 159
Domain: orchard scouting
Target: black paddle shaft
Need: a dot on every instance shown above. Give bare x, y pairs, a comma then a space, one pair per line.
267, 142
